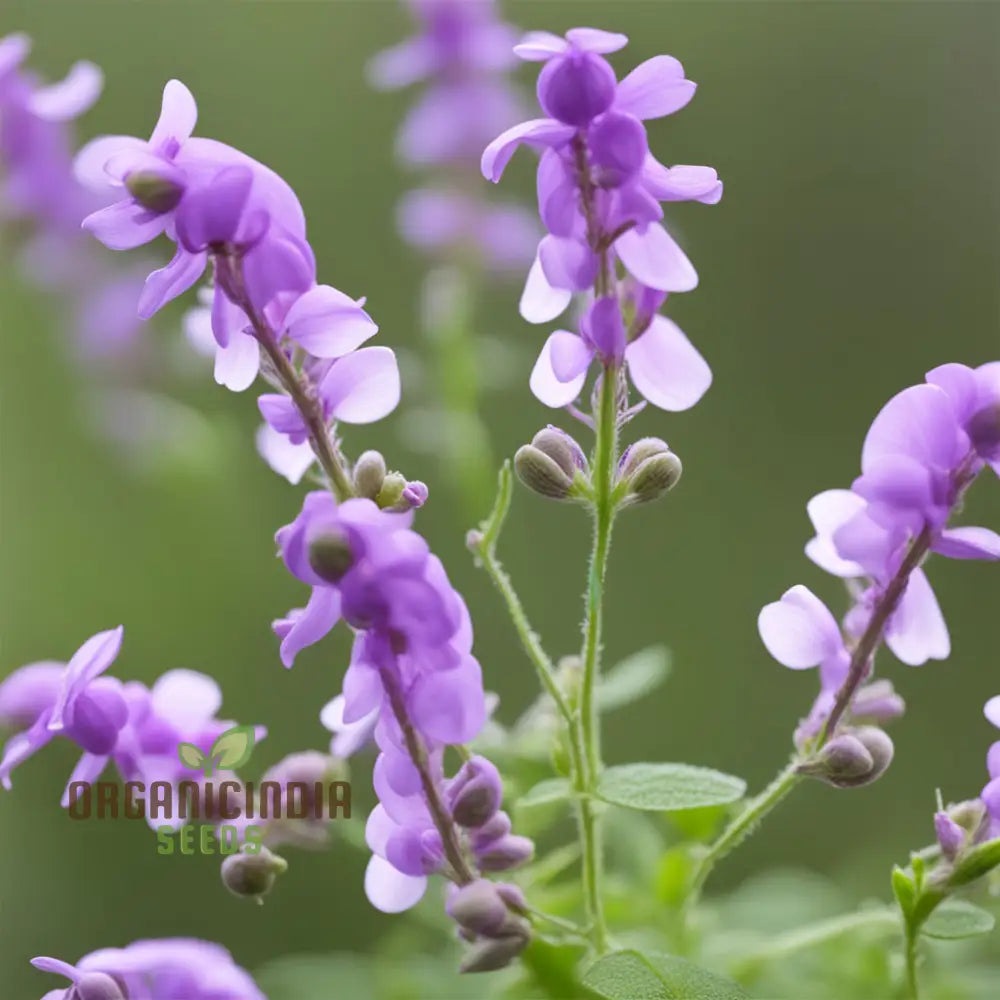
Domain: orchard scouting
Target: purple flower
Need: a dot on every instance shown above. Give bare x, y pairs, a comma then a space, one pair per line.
162, 969
991, 793
74, 701
662, 363
348, 737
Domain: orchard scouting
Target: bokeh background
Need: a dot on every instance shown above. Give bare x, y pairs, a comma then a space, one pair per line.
858, 244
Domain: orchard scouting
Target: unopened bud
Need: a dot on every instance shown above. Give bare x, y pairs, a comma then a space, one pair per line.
490, 954
478, 907
490, 832
653, 478
154, 191
950, 836
369, 474
95, 986
399, 494
852, 759
562, 449
541, 473
330, 556
508, 852
637, 453
252, 875
478, 791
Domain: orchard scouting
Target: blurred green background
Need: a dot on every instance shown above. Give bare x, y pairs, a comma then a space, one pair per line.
858, 244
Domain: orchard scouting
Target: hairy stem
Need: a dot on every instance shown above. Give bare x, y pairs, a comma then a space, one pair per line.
910, 952
229, 274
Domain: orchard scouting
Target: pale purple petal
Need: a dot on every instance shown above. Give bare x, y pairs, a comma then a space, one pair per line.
390, 890
654, 88
540, 302
88, 769
401, 65
27, 692
186, 699
282, 414
799, 631
87, 663
568, 263
538, 46
14, 49
311, 624
959, 381
654, 258
992, 710
448, 705
546, 386
569, 354
917, 631
168, 282
362, 387
829, 511
378, 829
596, 40
539, 132
918, 423
328, 323
666, 368
90, 162
125, 225
681, 183
968, 543
287, 459
56, 967
73, 95
178, 115
198, 330
237, 364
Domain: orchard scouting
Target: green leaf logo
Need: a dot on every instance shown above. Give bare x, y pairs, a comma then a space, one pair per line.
231, 750
191, 757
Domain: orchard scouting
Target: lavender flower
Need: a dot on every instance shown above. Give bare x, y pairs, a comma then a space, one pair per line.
991, 793
599, 194
161, 969
918, 461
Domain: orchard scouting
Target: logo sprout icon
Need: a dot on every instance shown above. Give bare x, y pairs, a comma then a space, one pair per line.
231, 750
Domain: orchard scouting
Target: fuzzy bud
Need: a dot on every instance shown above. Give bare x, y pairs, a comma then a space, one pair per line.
477, 790
508, 852
653, 478
852, 759
478, 907
490, 954
637, 453
369, 474
252, 875
154, 191
95, 986
541, 474
562, 449
330, 556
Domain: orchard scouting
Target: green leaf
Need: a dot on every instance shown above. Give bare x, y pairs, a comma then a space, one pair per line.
633, 678
976, 863
233, 748
668, 787
545, 793
631, 975
191, 756
904, 890
956, 918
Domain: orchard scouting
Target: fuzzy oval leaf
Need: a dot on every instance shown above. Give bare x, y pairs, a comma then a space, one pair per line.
545, 793
976, 862
233, 748
668, 787
191, 756
633, 975
633, 678
955, 918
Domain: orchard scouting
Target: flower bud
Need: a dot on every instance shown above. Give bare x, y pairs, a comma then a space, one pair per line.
330, 556
369, 473
495, 829
478, 789
542, 474
252, 875
562, 449
984, 430
508, 852
637, 453
877, 703
653, 478
478, 907
854, 758
950, 836
576, 87
154, 191
490, 954
414, 495
95, 986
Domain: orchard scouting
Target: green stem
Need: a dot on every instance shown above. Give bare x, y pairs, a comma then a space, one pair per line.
742, 826
912, 980
587, 729
484, 545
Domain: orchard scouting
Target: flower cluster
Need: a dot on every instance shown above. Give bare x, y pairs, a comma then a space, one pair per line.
599, 194
412, 682
920, 456
461, 54
216, 203
136, 728
161, 969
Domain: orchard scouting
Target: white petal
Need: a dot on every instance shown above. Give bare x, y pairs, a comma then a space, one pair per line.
540, 302
917, 631
237, 364
390, 890
547, 387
